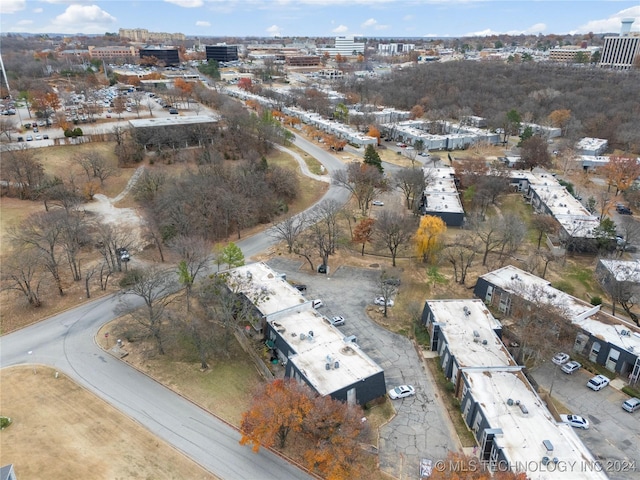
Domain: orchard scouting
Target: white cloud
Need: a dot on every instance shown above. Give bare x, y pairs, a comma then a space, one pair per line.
533, 29
408, 18
82, 18
24, 22
202, 23
274, 30
340, 29
12, 6
611, 24
186, 3
38, 10
369, 23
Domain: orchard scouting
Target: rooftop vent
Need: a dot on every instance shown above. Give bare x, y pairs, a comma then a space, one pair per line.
476, 333
466, 310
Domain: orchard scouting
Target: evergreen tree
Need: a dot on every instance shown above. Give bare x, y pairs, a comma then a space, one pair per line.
372, 158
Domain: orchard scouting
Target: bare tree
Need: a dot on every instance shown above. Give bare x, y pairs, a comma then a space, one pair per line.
388, 288
324, 228
365, 182
544, 225
21, 271
461, 254
42, 231
629, 229
23, 170
514, 232
154, 287
74, 236
7, 125
393, 230
195, 253
109, 239
289, 229
622, 289
412, 182
96, 165
490, 234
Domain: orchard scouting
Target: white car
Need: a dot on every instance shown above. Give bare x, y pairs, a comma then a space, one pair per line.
571, 367
598, 382
631, 405
380, 301
560, 358
576, 421
337, 321
377, 203
401, 392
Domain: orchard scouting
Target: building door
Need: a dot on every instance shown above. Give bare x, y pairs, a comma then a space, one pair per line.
595, 350
489, 295
351, 396
612, 359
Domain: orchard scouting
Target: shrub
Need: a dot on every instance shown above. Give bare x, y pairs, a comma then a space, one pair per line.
130, 278
634, 392
4, 422
596, 301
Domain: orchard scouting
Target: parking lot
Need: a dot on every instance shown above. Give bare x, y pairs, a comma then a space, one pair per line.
421, 428
614, 435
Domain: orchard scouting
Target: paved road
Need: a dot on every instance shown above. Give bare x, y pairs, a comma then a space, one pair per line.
66, 342
420, 428
614, 435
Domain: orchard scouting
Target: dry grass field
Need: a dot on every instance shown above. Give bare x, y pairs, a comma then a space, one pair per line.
61, 431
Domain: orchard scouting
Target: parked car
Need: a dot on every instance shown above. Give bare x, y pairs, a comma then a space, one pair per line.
560, 358
380, 301
317, 303
377, 203
337, 321
21, 139
576, 421
45, 136
402, 391
631, 405
173, 111
623, 209
300, 287
571, 367
38, 137
598, 382
29, 138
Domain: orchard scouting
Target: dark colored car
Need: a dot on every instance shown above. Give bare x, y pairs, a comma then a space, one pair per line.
300, 287
623, 210
173, 111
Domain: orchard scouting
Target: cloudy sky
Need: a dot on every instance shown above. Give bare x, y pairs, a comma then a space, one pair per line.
314, 18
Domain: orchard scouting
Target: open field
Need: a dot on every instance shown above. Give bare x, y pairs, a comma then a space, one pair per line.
61, 431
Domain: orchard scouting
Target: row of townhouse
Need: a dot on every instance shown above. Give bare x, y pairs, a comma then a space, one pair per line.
332, 127
454, 137
309, 347
513, 427
602, 338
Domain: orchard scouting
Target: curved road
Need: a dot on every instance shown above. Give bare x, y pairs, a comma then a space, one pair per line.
66, 342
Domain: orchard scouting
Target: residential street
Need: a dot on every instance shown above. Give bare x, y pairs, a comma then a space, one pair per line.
66, 342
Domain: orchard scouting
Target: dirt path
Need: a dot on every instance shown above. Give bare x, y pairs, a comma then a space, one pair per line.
103, 207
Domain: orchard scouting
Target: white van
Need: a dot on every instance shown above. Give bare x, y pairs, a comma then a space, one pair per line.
317, 303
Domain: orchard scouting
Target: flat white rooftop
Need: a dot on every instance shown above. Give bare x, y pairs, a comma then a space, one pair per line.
268, 292
523, 434
173, 120
467, 324
536, 289
623, 270
325, 345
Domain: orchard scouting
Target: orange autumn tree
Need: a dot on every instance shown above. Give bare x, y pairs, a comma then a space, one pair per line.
275, 412
374, 132
621, 172
333, 430
327, 431
363, 232
428, 236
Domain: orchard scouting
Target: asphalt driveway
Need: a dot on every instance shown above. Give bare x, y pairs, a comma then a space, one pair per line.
421, 428
614, 435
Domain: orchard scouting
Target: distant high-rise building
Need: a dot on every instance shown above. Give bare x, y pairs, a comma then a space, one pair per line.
166, 55
222, 52
344, 46
622, 51
144, 35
